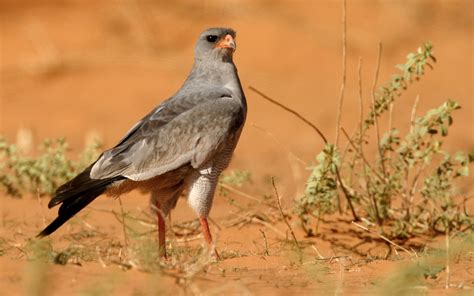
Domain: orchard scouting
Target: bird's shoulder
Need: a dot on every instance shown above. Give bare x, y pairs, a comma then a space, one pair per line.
180, 103
177, 132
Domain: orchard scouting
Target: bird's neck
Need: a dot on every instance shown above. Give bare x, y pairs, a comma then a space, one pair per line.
218, 73
213, 71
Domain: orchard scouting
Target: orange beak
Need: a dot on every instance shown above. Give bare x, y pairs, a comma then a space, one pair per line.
226, 42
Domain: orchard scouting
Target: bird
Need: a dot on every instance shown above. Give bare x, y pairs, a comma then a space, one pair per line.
180, 147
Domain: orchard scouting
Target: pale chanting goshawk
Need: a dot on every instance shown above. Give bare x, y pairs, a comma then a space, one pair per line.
182, 145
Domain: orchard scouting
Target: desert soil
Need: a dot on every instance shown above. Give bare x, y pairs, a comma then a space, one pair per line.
93, 68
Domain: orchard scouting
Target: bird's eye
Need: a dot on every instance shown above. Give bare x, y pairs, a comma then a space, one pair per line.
211, 38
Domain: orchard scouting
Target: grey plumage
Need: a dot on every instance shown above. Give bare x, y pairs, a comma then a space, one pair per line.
184, 143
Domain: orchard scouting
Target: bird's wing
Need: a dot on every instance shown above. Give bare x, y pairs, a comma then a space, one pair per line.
185, 130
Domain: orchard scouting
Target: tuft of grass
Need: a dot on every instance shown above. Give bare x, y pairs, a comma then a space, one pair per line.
39, 253
426, 271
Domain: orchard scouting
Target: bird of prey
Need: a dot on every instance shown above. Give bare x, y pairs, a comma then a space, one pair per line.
182, 145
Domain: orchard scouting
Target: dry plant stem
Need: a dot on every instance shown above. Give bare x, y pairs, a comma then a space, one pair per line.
214, 223
265, 253
343, 83
405, 195
409, 191
124, 227
283, 215
361, 114
243, 194
343, 87
413, 113
317, 252
372, 197
360, 140
384, 238
347, 195
291, 111
390, 115
361, 102
362, 156
41, 207
338, 175
448, 272
376, 75
412, 190
346, 148
390, 121
269, 226
374, 204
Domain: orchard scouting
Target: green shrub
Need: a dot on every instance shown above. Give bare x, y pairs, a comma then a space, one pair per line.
42, 174
410, 187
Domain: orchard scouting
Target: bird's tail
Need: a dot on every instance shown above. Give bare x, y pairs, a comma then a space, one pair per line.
74, 196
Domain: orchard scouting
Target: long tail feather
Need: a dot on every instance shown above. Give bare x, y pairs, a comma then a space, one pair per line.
74, 196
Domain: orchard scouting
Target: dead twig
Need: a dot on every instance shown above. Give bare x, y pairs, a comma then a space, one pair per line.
269, 226
291, 111
344, 62
283, 215
361, 102
41, 207
243, 194
413, 113
343, 87
321, 257
124, 227
376, 122
384, 238
390, 116
338, 175
265, 253
363, 157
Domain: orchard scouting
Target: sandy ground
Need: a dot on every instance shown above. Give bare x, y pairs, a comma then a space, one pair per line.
85, 68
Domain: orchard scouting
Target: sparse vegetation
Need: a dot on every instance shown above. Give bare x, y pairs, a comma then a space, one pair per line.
409, 187
415, 233
406, 190
41, 173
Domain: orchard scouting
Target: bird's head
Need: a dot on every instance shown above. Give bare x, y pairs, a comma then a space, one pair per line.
216, 44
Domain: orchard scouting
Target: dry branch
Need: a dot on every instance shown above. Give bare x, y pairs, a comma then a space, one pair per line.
344, 62
384, 238
283, 215
374, 85
291, 111
344, 189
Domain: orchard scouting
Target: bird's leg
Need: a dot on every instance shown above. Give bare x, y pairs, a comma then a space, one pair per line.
161, 231
207, 235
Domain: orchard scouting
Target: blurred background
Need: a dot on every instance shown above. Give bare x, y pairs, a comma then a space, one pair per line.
84, 69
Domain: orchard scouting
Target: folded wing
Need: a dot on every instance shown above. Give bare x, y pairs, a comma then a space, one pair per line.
173, 135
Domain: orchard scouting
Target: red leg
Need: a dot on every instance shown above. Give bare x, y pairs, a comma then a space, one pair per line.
207, 235
161, 231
